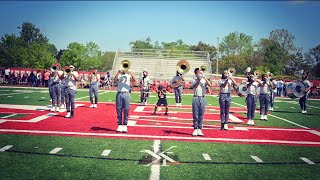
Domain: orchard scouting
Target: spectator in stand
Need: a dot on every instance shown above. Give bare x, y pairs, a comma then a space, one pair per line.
285, 89
38, 78
46, 77
6, 75
280, 87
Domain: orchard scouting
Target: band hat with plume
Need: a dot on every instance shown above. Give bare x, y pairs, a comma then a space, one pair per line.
71, 66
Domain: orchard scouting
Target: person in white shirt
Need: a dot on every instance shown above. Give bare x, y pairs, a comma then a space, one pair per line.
264, 96
145, 84
123, 98
71, 77
273, 92
177, 85
94, 79
303, 100
199, 102
251, 99
55, 87
225, 98
6, 75
280, 87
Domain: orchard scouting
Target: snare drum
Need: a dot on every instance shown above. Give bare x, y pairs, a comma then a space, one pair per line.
290, 91
242, 89
299, 88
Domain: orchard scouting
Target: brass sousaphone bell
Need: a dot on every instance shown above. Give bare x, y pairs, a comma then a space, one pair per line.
183, 66
125, 64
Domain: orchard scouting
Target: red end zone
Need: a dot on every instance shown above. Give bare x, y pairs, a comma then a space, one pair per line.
102, 122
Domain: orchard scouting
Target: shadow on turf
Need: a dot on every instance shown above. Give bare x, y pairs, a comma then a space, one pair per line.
174, 132
100, 129
295, 112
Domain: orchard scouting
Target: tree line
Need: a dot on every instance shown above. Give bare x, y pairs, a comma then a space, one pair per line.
276, 53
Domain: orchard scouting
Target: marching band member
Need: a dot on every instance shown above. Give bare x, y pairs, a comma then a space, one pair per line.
162, 100
71, 77
63, 89
55, 87
251, 98
303, 100
225, 98
178, 87
145, 84
273, 92
94, 79
264, 96
199, 102
123, 79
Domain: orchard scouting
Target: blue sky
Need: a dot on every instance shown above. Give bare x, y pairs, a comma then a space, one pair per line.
112, 25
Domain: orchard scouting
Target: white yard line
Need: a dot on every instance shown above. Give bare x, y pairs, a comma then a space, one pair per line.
206, 157
5, 148
9, 116
307, 160
155, 167
161, 137
256, 158
289, 121
106, 152
55, 150
104, 92
279, 118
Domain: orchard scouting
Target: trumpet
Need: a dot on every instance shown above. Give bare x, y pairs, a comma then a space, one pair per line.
68, 71
271, 75
231, 71
256, 73
203, 68
54, 67
125, 64
183, 67
94, 72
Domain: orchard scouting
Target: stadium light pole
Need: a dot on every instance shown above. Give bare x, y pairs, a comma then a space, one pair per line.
217, 69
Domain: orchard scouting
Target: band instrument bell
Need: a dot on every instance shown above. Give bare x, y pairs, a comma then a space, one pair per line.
231, 71
183, 67
125, 64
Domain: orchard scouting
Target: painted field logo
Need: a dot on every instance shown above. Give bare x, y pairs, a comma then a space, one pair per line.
159, 157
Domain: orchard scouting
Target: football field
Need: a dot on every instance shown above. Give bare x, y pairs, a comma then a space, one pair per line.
38, 144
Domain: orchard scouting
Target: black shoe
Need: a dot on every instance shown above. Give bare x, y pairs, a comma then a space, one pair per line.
166, 114
222, 126
72, 114
153, 114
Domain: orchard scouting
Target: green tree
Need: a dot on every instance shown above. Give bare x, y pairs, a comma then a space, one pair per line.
141, 44
83, 57
285, 39
11, 51
205, 47
30, 33
178, 45
274, 56
313, 60
107, 60
236, 44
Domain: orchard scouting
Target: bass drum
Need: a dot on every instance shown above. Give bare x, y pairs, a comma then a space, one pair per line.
242, 89
298, 89
290, 91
